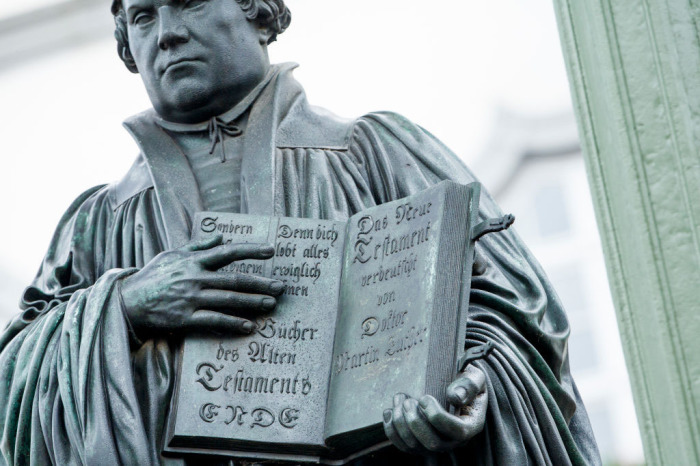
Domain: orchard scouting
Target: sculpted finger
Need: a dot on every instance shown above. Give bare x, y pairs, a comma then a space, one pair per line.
202, 244
391, 432
474, 415
462, 391
232, 301
399, 398
402, 429
243, 283
452, 428
215, 322
220, 256
422, 430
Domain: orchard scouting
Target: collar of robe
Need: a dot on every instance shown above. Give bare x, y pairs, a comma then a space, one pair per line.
218, 126
279, 117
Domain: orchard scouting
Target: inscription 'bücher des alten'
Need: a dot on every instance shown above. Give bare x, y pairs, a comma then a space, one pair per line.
372, 307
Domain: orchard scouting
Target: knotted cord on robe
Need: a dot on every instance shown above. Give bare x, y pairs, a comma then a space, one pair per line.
217, 128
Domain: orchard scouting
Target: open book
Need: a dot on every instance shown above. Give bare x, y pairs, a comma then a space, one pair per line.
373, 306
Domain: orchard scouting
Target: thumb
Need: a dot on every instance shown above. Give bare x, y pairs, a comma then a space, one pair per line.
465, 389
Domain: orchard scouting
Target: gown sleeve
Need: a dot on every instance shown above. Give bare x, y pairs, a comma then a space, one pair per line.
535, 414
67, 391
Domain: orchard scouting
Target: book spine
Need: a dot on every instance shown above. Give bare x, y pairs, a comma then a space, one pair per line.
469, 256
449, 271
335, 336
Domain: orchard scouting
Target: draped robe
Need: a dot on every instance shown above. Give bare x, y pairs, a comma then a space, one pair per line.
77, 387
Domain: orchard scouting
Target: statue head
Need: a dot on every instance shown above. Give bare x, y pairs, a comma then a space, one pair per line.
197, 58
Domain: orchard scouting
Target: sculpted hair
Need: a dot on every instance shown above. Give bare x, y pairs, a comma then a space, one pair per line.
271, 14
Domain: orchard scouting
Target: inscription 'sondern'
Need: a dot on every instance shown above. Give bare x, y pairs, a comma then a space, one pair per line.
212, 224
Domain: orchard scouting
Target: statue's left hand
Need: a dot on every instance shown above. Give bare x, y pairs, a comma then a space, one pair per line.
424, 427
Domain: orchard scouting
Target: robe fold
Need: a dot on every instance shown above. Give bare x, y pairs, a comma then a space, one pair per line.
78, 388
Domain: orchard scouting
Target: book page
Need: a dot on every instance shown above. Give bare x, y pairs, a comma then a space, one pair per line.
269, 387
383, 334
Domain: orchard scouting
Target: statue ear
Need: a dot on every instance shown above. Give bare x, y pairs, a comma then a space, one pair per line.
265, 33
123, 44
125, 55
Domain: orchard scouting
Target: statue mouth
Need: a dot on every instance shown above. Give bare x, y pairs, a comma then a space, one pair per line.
179, 62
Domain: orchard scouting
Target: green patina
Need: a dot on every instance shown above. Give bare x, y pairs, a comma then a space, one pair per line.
634, 68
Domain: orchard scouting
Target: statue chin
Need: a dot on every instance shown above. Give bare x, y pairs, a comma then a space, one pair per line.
194, 103
187, 103
190, 93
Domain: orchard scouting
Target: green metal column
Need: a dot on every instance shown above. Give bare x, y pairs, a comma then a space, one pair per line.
634, 68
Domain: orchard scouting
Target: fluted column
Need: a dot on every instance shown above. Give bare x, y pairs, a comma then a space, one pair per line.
634, 68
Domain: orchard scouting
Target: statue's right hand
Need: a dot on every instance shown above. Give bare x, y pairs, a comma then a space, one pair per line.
182, 289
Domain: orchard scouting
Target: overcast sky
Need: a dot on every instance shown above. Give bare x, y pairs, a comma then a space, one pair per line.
447, 65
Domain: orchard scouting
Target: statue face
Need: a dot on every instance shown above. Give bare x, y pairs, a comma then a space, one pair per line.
197, 58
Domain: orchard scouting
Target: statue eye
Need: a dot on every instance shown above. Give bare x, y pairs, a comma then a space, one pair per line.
141, 18
191, 4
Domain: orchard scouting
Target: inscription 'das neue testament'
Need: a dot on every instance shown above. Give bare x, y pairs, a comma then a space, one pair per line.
390, 244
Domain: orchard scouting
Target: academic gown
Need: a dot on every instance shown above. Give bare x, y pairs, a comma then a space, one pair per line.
78, 388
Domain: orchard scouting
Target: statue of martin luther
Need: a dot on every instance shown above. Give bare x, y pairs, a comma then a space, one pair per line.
88, 365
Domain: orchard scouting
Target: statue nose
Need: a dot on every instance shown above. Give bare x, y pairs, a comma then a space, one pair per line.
172, 30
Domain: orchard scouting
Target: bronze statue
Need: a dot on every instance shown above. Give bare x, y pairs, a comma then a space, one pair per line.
88, 366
